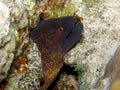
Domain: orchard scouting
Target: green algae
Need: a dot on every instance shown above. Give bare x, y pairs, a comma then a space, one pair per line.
89, 3
60, 10
30, 5
80, 71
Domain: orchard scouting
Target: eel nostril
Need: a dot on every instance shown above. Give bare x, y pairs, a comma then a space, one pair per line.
78, 26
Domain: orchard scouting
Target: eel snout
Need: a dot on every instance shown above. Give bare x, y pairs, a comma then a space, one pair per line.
73, 36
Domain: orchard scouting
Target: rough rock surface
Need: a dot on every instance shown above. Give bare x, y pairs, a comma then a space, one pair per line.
18, 54
110, 79
27, 75
13, 40
101, 31
7, 42
101, 20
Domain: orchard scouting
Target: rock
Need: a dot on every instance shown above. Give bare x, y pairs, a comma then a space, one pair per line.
7, 42
26, 70
18, 13
13, 41
17, 54
101, 21
112, 74
66, 81
4, 24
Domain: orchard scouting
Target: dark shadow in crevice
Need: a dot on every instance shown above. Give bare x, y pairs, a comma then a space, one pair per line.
67, 69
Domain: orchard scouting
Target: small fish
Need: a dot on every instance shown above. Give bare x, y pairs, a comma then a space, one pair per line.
54, 38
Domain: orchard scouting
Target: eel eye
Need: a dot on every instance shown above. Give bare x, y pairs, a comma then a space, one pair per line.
61, 29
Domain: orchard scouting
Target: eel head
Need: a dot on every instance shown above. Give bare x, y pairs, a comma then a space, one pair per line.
54, 37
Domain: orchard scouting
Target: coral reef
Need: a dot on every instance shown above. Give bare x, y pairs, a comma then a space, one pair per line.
20, 60
14, 42
101, 33
26, 75
7, 42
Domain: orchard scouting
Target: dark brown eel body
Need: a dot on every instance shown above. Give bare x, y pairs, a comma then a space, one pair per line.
54, 37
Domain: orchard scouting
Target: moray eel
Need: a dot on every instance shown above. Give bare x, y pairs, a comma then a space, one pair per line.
54, 37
